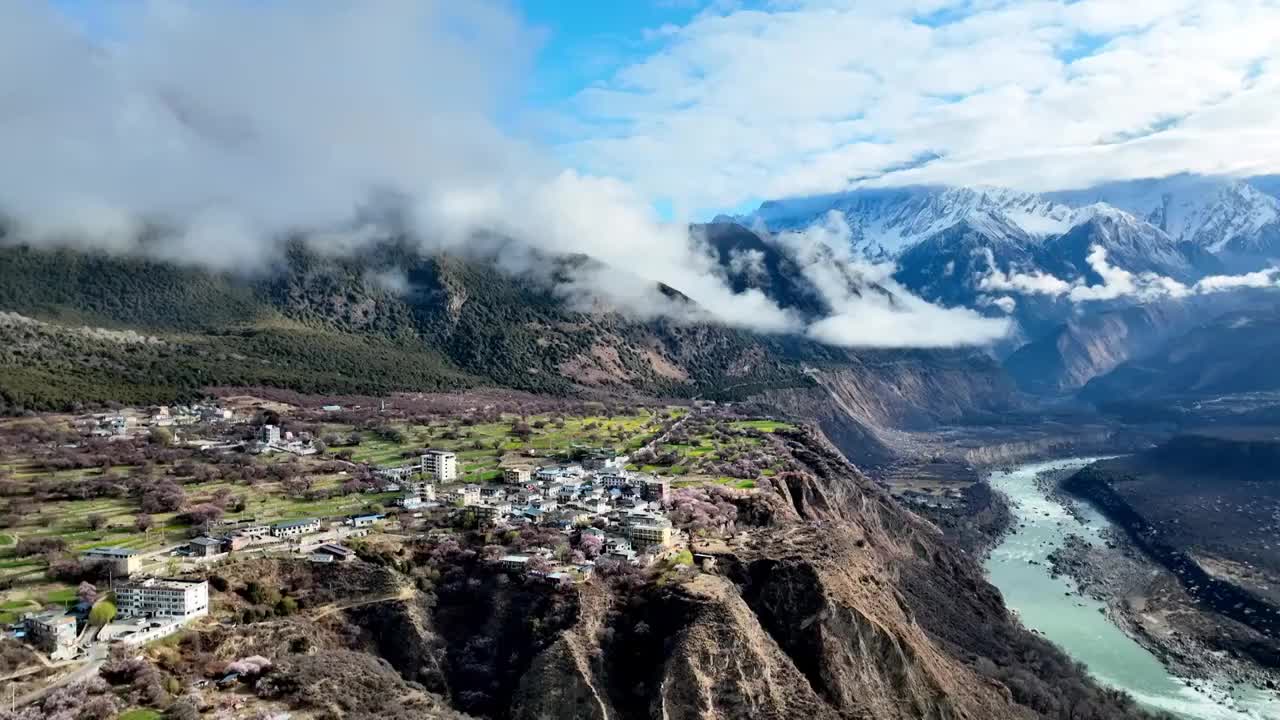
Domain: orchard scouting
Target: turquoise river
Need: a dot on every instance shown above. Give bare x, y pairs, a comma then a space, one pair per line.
1019, 567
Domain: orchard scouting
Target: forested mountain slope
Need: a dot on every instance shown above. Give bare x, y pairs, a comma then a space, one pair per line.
394, 319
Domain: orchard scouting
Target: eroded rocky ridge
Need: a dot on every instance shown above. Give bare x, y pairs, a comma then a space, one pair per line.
829, 601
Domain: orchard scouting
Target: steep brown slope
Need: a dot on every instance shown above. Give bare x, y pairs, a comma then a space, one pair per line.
829, 601
865, 405
1091, 346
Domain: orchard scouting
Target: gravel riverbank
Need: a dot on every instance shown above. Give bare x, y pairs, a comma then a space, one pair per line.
1147, 602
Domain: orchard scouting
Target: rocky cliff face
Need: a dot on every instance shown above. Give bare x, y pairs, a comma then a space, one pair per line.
830, 601
1093, 345
867, 406
1227, 354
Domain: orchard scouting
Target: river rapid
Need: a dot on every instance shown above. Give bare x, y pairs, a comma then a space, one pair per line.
1019, 566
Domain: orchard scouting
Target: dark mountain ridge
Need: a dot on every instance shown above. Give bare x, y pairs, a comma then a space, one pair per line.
1229, 354
392, 319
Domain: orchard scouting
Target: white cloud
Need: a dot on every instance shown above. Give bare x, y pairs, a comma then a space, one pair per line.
870, 309
1262, 279
1026, 283
232, 125
809, 95
1006, 303
1120, 283
1117, 283
235, 124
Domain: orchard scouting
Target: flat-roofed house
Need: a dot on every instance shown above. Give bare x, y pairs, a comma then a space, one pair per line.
514, 563
296, 528
206, 547
361, 521
517, 475
332, 552
54, 633
123, 561
644, 534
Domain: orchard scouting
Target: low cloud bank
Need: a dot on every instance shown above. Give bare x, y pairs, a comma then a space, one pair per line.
1118, 283
870, 308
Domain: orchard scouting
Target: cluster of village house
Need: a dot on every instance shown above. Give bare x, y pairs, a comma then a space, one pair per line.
124, 423
271, 439
598, 496
151, 607
130, 423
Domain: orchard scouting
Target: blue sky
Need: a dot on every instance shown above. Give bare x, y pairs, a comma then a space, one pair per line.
704, 106
587, 39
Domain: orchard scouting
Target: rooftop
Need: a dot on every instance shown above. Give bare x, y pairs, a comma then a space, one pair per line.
159, 584
111, 552
297, 523
54, 617
333, 549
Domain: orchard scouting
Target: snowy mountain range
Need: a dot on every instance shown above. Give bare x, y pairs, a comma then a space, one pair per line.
946, 239
1219, 215
1231, 217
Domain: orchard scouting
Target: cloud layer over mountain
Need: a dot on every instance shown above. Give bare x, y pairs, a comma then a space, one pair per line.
1119, 283
865, 316
212, 130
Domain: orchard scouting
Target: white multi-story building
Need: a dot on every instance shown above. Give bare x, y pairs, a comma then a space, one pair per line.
442, 464
54, 633
470, 495
157, 597
270, 434
615, 480
650, 533
517, 475
488, 514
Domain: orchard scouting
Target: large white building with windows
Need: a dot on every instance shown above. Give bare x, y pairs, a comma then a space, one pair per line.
161, 598
442, 464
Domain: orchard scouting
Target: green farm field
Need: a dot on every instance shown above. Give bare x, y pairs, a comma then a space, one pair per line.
692, 451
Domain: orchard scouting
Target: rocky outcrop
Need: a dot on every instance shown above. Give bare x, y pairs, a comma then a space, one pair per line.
828, 601
403, 634
1228, 354
563, 682
724, 665
868, 406
1091, 346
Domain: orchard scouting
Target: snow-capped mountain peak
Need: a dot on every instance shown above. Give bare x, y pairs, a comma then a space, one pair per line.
886, 223
1216, 214
1229, 221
